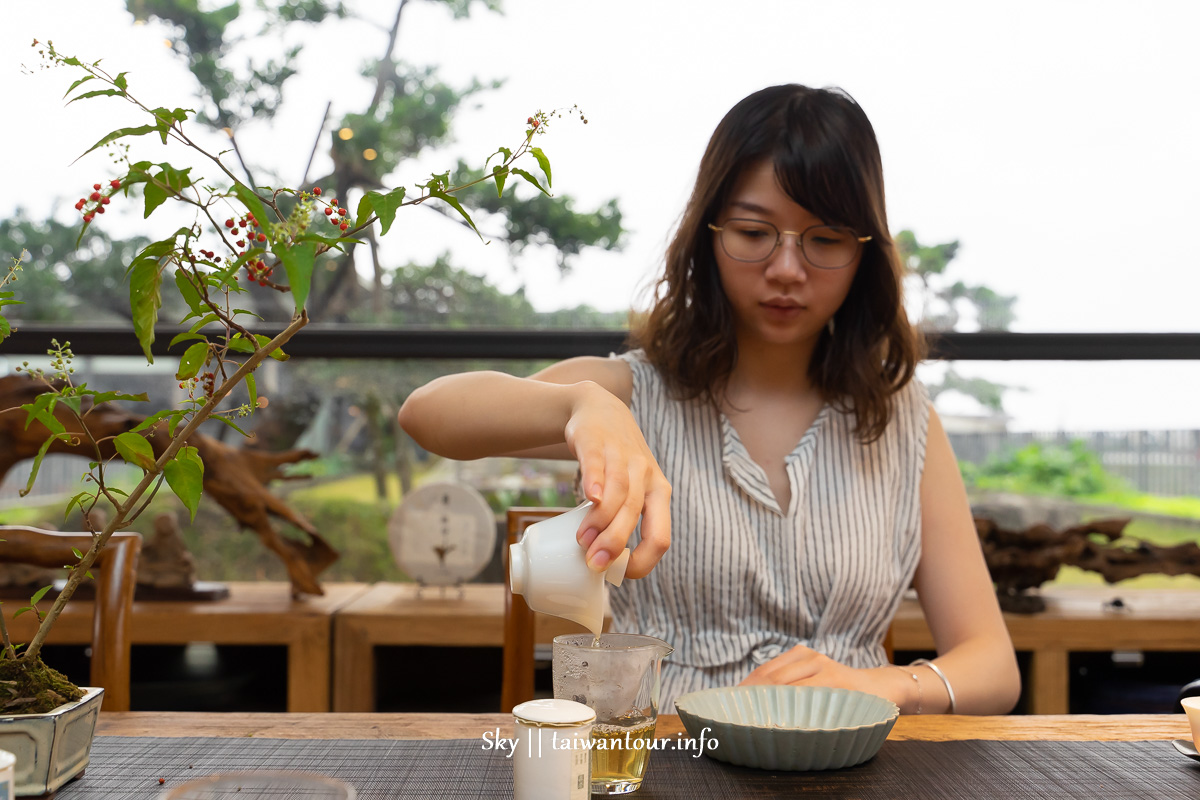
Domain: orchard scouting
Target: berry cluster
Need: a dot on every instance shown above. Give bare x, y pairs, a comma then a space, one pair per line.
256, 269
95, 202
336, 214
205, 380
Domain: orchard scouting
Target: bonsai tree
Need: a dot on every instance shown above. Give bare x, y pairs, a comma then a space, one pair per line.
270, 237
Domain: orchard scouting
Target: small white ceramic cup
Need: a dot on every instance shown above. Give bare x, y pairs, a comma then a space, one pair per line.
1191, 707
549, 568
8, 764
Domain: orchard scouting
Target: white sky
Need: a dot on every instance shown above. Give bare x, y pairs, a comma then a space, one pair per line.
1057, 141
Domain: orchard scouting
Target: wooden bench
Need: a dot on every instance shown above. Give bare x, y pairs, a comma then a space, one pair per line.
255, 613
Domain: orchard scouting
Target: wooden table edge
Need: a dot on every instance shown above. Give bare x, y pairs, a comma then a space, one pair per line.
1122, 727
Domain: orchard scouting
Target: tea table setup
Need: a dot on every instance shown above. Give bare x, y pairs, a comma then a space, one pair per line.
447, 756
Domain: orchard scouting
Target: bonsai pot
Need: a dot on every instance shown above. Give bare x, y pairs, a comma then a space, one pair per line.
51, 748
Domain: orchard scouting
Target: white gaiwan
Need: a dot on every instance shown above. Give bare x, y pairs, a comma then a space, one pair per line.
549, 568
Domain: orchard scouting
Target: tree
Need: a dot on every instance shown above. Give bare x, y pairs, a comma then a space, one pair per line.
942, 307
411, 111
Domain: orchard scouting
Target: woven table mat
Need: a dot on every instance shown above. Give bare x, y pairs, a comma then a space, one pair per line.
131, 767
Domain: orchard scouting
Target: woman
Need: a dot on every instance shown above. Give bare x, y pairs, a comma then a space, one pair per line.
770, 419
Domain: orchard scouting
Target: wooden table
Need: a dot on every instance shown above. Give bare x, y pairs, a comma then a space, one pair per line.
1076, 619
255, 613
397, 614
933, 728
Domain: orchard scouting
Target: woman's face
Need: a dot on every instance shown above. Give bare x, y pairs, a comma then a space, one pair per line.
783, 300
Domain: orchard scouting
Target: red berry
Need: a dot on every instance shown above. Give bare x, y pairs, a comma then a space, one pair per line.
115, 184
333, 202
105, 200
328, 211
100, 210
79, 205
262, 237
96, 186
228, 223
529, 120
342, 211
535, 123
94, 196
343, 226
317, 191
87, 217
241, 243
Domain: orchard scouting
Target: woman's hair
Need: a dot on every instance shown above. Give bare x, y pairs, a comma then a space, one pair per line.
827, 160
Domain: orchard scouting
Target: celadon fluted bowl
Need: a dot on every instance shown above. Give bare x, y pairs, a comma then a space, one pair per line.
788, 727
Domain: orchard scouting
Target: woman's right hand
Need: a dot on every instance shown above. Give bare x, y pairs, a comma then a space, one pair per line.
622, 479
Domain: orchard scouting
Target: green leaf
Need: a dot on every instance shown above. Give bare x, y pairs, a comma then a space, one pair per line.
230, 423
75, 551
252, 387
145, 298
37, 461
119, 133
121, 83
531, 179
77, 83
187, 289
384, 205
73, 402
239, 345
501, 175
185, 476
136, 450
77, 500
21, 611
97, 93
155, 417
155, 196
298, 260
253, 203
39, 594
543, 162
39, 410
104, 397
186, 336
453, 202
193, 358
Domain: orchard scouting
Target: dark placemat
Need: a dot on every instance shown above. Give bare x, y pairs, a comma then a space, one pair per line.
379, 769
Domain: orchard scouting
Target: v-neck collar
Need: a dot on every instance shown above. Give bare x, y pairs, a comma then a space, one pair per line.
750, 476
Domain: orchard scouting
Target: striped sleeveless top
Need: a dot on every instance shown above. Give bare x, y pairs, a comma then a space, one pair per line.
744, 580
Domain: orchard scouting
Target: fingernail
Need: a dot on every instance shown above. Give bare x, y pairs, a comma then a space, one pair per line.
588, 537
595, 493
599, 562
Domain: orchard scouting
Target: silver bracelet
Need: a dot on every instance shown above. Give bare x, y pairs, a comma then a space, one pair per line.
937, 671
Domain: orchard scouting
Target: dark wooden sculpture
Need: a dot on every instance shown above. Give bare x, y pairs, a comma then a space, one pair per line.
1022, 560
236, 478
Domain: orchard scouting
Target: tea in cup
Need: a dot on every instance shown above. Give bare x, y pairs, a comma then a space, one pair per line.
617, 676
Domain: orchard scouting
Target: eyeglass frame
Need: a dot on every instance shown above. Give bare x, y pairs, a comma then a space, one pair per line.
779, 239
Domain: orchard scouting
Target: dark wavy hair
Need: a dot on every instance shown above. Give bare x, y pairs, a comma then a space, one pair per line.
826, 159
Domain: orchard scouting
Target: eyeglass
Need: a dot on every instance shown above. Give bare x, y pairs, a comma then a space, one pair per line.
823, 246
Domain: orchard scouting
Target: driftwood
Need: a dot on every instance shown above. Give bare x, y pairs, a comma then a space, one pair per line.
235, 478
1021, 560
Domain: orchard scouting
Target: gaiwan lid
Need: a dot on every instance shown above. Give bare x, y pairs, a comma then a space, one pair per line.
554, 713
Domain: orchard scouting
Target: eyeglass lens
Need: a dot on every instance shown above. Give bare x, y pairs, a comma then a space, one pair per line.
824, 246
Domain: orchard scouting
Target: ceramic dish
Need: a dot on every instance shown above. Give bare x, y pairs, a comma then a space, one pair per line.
789, 727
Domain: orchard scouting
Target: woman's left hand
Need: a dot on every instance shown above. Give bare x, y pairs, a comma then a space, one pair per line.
803, 666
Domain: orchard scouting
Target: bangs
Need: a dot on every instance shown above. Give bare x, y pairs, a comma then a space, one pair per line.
815, 166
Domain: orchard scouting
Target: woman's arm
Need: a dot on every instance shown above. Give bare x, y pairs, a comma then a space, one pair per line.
975, 651
577, 409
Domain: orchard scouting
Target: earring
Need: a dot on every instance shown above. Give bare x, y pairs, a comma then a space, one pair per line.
829, 326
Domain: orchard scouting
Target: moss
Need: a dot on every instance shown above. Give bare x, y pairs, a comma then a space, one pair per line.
31, 687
